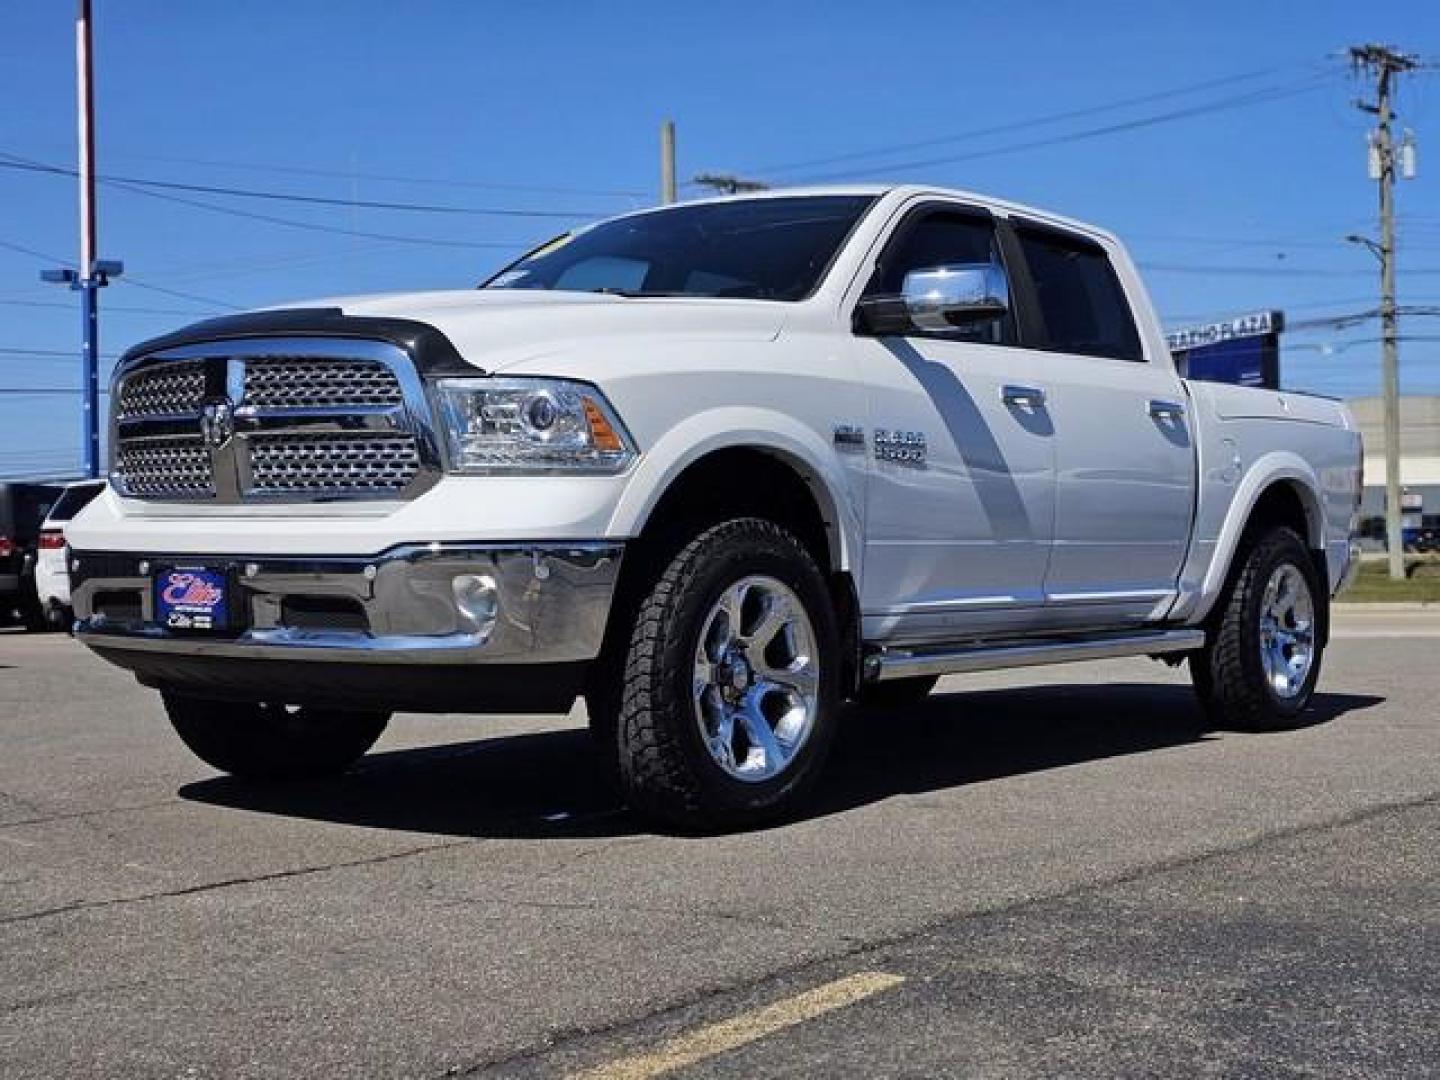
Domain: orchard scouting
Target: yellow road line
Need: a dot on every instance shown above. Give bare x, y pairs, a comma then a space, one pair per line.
713, 1039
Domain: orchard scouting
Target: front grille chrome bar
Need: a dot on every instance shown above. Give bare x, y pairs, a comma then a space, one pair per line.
272, 419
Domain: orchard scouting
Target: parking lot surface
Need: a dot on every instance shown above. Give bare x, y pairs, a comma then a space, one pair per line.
1037, 872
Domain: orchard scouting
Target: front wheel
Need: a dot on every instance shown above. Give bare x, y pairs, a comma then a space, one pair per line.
1259, 667
270, 741
731, 681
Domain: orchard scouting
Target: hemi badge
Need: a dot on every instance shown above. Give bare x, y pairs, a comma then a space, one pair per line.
850, 437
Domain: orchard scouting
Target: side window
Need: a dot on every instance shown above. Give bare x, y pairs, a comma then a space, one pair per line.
943, 238
1079, 296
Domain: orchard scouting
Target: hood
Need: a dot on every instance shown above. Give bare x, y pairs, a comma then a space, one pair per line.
497, 329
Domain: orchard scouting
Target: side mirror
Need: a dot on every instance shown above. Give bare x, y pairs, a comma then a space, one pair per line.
944, 297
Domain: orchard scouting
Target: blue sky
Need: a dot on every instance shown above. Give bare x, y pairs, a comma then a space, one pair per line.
554, 109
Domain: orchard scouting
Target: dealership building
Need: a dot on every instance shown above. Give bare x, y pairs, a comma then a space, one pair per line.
1419, 453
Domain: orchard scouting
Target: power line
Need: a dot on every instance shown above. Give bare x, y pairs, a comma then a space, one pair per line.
12, 350
109, 308
179, 294
391, 178
313, 226
13, 161
1034, 121
1267, 271
1255, 97
128, 279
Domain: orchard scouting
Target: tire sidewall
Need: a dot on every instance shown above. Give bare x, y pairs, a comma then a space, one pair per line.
1284, 548
794, 569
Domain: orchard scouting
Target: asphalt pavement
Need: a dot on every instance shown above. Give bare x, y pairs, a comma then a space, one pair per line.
1034, 873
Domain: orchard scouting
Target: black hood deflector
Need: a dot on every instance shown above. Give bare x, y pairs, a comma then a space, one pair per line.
431, 350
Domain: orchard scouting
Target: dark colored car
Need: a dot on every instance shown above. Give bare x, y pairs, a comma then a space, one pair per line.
23, 508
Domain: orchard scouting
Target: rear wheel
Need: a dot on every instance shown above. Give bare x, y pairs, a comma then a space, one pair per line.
270, 741
1258, 670
731, 681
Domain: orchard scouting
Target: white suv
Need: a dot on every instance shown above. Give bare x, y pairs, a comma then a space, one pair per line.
52, 574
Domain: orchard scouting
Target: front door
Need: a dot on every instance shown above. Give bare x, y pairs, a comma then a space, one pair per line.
960, 498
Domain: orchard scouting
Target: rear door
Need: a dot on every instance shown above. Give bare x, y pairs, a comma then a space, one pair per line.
1125, 459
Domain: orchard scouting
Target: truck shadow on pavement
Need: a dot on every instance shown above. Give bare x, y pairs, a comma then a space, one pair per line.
549, 784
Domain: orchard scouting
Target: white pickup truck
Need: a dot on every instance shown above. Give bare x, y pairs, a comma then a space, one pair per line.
719, 468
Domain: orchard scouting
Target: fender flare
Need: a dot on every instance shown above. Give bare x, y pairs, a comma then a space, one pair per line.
1279, 466
735, 427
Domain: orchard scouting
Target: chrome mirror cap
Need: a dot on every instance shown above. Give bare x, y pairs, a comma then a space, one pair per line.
939, 298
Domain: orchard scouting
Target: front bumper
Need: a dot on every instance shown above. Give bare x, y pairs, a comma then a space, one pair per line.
398, 607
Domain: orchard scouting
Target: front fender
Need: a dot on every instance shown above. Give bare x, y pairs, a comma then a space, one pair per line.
752, 427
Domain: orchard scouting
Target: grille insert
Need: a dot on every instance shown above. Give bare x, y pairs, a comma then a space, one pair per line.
176, 389
306, 383
277, 420
332, 464
165, 468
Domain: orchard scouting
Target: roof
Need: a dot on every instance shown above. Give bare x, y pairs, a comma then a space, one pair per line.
899, 191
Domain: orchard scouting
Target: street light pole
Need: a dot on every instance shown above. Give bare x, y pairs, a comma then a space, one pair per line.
93, 274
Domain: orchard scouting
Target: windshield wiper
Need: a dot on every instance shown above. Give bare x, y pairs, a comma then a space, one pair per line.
636, 294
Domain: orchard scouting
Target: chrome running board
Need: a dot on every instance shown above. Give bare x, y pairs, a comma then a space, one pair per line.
902, 663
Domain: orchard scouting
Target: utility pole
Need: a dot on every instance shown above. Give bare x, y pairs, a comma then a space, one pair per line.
667, 161
1384, 63
93, 273
729, 183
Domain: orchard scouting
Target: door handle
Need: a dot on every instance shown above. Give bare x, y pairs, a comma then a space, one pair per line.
1167, 410
1026, 397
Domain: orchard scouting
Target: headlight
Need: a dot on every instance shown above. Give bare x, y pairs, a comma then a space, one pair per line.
530, 425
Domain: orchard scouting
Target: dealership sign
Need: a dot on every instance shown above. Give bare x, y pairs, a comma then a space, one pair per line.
1258, 324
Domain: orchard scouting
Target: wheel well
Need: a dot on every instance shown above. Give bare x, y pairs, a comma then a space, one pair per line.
1284, 503
741, 482
729, 483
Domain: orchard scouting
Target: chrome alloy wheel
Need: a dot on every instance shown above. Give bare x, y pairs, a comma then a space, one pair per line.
757, 679
1287, 631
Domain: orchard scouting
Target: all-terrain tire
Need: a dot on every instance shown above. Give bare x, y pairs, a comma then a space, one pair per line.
269, 741
665, 769
1229, 674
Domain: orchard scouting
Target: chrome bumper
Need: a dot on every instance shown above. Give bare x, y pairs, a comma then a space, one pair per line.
552, 602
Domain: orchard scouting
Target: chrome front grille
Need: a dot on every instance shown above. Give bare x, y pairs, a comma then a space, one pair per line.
296, 464
280, 420
166, 468
294, 382
173, 390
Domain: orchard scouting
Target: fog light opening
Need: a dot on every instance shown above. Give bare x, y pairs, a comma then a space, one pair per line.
477, 599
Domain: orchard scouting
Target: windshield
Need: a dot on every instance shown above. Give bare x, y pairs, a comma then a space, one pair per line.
761, 249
